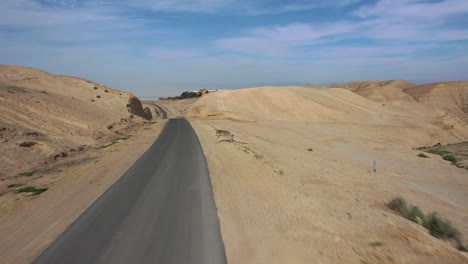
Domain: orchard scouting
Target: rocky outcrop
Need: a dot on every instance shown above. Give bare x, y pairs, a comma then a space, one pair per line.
135, 107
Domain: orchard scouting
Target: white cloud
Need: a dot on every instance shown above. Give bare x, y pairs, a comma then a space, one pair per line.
412, 20
63, 23
399, 22
280, 41
413, 9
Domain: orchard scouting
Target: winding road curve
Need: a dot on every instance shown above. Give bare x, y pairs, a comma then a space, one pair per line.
161, 211
161, 110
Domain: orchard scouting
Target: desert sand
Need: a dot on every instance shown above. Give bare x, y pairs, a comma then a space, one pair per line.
46, 117
297, 185
72, 138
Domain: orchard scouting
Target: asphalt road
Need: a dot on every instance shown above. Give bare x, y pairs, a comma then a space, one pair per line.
161, 110
161, 211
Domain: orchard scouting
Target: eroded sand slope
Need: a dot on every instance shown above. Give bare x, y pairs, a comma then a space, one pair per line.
46, 117
297, 185
63, 142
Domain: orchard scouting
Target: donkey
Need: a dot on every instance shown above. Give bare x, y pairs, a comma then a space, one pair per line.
225, 134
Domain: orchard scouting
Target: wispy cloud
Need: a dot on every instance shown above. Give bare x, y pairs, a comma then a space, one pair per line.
410, 20
196, 6
250, 8
400, 22
413, 9
172, 54
281, 41
66, 22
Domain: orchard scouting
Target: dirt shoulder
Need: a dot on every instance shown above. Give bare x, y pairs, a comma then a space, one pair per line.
29, 223
302, 192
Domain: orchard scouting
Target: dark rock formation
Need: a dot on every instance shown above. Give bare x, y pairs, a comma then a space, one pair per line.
27, 144
135, 107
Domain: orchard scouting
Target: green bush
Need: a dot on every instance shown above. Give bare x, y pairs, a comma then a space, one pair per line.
437, 226
399, 205
32, 190
450, 158
26, 174
14, 185
416, 215
376, 244
441, 228
422, 155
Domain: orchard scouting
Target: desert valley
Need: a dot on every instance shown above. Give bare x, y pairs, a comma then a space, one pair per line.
297, 182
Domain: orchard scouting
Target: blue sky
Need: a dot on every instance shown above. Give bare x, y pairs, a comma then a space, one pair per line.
162, 47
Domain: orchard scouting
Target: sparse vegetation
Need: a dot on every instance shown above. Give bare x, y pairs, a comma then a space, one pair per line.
14, 89
187, 95
456, 153
32, 190
124, 138
25, 174
14, 185
437, 226
399, 205
376, 244
438, 151
115, 141
450, 158
255, 154
441, 228
422, 155
416, 215
310, 149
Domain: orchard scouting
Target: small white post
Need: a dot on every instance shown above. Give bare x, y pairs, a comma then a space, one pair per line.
375, 166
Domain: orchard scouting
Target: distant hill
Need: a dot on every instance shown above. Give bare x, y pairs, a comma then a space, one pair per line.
379, 91
450, 96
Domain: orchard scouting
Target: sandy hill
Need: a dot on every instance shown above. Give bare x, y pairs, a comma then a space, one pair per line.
450, 96
300, 172
423, 123
46, 117
380, 91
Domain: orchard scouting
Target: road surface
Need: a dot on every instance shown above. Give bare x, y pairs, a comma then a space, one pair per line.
161, 110
161, 211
